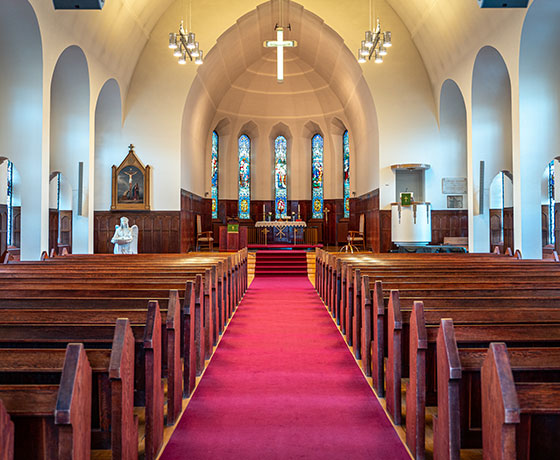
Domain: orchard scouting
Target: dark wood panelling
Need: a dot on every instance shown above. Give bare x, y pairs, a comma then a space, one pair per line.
159, 231
508, 228
3, 228
449, 223
53, 230
16, 229
368, 205
191, 206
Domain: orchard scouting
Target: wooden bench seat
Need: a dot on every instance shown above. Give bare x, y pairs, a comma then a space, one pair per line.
53, 421
511, 409
115, 426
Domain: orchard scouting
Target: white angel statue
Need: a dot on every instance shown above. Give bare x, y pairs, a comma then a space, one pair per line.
125, 238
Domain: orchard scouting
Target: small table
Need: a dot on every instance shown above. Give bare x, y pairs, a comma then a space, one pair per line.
281, 226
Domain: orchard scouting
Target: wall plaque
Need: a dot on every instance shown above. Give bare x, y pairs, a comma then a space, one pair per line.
454, 201
454, 185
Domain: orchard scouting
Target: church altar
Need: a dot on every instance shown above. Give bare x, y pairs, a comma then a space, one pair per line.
286, 230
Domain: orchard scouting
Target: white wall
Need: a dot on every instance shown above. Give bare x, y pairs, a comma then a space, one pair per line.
539, 99
491, 133
21, 93
109, 146
453, 137
70, 135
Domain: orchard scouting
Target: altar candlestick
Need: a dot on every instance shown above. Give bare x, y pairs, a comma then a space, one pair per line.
264, 212
298, 212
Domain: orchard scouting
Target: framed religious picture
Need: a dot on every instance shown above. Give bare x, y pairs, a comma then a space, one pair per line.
131, 184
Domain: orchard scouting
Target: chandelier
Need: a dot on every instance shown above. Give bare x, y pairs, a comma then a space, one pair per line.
376, 42
184, 44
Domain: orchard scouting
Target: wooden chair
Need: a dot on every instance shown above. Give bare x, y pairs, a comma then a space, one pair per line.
203, 238
356, 238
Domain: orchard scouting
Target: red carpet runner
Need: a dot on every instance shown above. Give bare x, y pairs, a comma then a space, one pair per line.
283, 385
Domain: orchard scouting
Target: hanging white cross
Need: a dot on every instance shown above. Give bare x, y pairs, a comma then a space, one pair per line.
279, 44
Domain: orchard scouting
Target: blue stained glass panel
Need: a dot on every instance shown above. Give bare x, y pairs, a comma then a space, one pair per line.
317, 176
281, 177
244, 146
214, 175
10, 196
551, 204
346, 172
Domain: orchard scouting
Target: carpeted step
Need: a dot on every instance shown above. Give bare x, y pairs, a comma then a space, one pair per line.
278, 262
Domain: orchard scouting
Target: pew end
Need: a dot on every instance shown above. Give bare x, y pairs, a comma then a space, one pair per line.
500, 407
6, 434
73, 406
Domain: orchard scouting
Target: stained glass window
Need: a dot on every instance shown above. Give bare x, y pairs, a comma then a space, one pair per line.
346, 172
317, 176
10, 196
244, 177
551, 224
281, 176
214, 175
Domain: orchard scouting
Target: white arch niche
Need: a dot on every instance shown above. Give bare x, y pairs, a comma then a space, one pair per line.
453, 134
70, 134
21, 112
109, 147
491, 134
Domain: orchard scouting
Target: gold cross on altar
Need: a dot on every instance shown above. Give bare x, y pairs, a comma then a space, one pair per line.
279, 44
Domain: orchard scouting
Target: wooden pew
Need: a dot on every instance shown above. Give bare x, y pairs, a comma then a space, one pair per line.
148, 384
113, 370
6, 434
509, 408
448, 349
61, 412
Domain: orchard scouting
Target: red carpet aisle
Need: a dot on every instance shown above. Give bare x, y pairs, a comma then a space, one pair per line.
283, 385
281, 263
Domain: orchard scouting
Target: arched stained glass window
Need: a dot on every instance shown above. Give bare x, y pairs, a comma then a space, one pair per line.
244, 177
214, 175
551, 204
346, 171
281, 176
10, 204
317, 176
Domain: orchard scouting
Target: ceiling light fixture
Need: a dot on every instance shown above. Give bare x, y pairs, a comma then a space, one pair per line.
376, 42
184, 44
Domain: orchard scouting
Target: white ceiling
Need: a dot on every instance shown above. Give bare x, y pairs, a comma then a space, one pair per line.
441, 29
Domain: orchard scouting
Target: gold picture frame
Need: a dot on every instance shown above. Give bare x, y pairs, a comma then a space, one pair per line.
131, 184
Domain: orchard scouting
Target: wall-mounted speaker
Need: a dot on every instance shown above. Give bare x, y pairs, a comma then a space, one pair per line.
503, 3
78, 4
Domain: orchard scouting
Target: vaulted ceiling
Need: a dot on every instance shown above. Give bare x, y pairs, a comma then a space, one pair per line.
441, 29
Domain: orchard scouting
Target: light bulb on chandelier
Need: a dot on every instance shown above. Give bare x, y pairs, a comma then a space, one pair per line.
376, 41
184, 44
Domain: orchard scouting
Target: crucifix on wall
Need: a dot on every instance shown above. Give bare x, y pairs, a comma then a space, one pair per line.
279, 44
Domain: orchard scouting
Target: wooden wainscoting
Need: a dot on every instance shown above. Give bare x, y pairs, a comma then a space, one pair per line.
191, 206
159, 231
